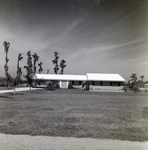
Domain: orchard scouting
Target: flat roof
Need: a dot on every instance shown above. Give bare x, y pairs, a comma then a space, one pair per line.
104, 77
63, 77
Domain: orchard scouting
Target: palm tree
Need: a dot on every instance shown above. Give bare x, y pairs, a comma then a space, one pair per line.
40, 67
134, 81
35, 59
6, 49
55, 62
29, 69
19, 71
47, 71
62, 66
142, 77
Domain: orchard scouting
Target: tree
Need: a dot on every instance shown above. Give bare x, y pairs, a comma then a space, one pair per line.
55, 62
142, 83
29, 69
62, 66
35, 59
40, 67
7, 75
134, 82
142, 77
2, 81
47, 71
19, 70
128, 83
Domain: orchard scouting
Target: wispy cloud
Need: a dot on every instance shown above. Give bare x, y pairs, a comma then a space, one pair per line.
62, 37
90, 34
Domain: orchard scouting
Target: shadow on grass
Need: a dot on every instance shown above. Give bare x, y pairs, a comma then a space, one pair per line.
3, 96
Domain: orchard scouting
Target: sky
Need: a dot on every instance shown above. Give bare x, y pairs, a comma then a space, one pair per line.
92, 36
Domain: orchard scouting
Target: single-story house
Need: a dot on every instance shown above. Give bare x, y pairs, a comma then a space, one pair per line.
76, 80
96, 81
105, 82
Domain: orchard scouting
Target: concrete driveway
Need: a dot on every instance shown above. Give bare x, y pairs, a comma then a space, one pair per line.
27, 142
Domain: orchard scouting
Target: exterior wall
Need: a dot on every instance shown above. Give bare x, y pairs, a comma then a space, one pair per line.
107, 86
63, 84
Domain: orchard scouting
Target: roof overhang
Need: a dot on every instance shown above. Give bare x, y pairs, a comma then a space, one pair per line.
60, 77
104, 77
87, 77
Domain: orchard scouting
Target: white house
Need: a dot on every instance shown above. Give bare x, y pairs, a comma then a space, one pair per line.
97, 82
105, 82
64, 80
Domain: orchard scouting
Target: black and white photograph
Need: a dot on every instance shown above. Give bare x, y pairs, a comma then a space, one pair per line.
73, 74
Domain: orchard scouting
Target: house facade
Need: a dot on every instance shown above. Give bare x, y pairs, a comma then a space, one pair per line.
95, 81
105, 82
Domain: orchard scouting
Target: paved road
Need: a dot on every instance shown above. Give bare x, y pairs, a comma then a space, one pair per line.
17, 90
26, 142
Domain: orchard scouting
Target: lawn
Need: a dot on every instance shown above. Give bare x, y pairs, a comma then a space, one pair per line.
76, 113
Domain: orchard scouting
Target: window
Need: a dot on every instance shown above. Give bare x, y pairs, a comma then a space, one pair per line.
97, 83
76, 82
106, 83
114, 83
91, 82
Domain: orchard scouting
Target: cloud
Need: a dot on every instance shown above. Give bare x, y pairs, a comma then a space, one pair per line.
87, 36
103, 48
62, 37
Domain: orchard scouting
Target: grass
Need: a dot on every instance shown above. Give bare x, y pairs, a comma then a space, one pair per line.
76, 113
